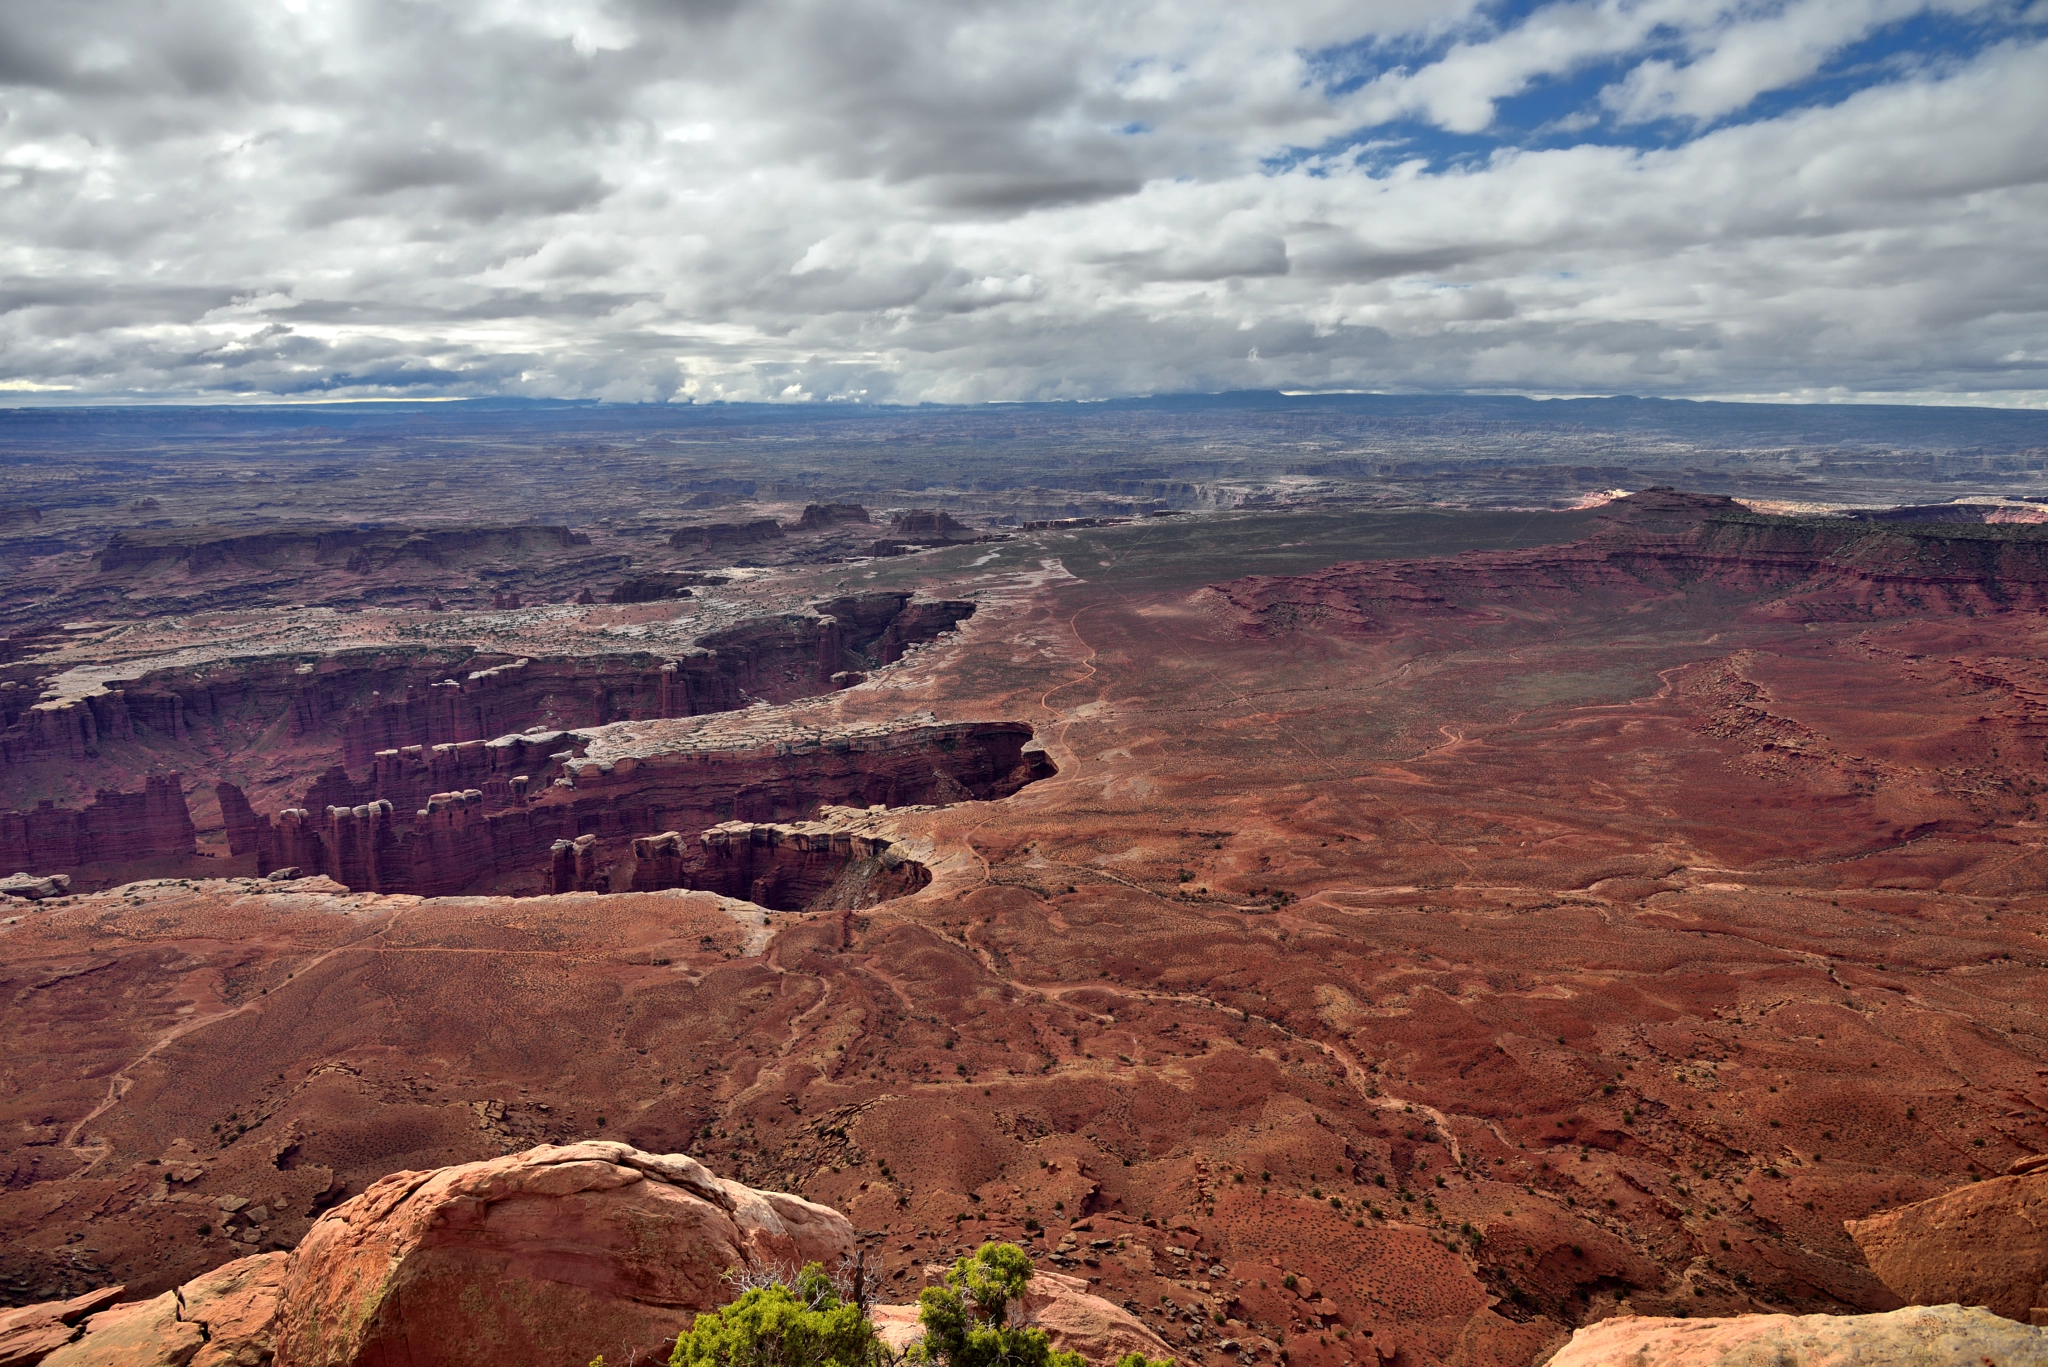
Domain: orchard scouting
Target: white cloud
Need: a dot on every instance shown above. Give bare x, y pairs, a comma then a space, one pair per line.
915, 199
1735, 57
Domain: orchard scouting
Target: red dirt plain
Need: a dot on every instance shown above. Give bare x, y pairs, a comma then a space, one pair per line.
1484, 942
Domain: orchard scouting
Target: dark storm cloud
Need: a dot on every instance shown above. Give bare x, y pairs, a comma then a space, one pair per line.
909, 199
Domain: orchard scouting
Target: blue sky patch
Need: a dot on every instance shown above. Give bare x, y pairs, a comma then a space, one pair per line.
1570, 106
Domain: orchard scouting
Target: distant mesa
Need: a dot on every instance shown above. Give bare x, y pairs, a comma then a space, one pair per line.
19, 515
2016, 510
924, 527
929, 524
715, 536
717, 498
199, 549
1679, 546
653, 588
819, 517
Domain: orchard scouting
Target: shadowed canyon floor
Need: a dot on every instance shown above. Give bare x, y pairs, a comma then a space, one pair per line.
1438, 930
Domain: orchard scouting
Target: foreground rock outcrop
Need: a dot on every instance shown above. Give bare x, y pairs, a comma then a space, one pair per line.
33, 1332
1918, 1334
1075, 1320
1984, 1244
227, 1318
1078, 1322
542, 1258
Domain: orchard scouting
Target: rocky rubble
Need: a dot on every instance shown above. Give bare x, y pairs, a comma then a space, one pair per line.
31, 888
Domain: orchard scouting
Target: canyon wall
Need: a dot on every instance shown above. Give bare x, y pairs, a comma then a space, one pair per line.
391, 698
416, 729
1664, 544
117, 827
802, 867
199, 549
508, 836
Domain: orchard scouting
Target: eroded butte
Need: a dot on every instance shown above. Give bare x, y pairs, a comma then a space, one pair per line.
1386, 936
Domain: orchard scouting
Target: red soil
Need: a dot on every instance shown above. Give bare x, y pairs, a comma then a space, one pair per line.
1570, 930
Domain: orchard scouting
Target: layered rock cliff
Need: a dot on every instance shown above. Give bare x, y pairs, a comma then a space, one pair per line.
723, 536
508, 825
378, 699
116, 827
827, 865
1663, 544
199, 549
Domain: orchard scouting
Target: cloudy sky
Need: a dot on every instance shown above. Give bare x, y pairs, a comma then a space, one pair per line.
962, 200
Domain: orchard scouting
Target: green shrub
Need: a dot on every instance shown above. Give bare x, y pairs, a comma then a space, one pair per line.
805, 1324
967, 1321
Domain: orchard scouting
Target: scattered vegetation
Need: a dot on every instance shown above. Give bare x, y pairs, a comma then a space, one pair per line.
804, 1321
814, 1319
967, 1321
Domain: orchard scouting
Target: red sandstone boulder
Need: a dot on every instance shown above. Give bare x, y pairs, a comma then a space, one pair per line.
1918, 1334
238, 1304
1078, 1322
33, 1332
1073, 1319
226, 1318
139, 1334
545, 1259
1984, 1244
